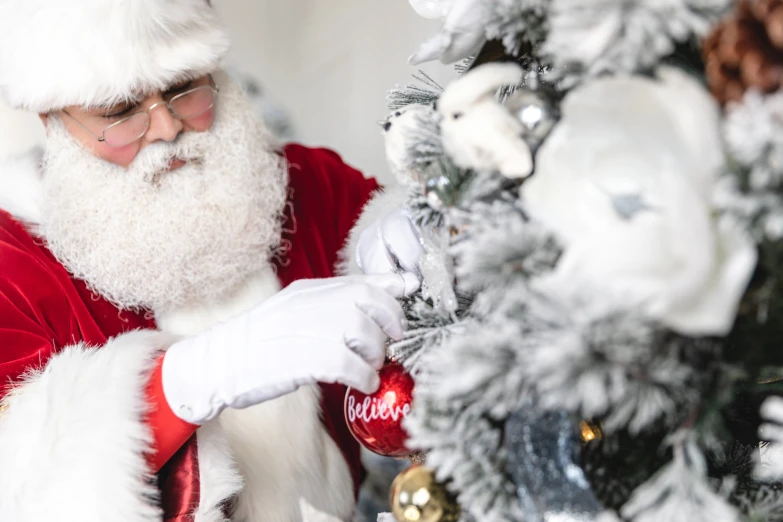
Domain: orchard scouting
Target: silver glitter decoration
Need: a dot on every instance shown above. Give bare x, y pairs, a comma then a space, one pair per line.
437, 269
543, 456
537, 113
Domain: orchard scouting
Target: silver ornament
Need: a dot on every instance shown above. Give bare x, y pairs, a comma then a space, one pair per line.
537, 113
438, 190
444, 183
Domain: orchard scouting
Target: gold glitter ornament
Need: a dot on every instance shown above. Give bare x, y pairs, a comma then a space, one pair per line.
417, 497
590, 431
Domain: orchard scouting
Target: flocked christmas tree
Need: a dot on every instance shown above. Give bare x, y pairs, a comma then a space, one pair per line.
600, 196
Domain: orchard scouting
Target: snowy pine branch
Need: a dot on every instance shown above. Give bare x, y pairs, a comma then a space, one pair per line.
459, 404
762, 502
425, 92
424, 143
515, 21
594, 37
428, 326
420, 211
680, 492
486, 258
754, 135
605, 361
753, 130
527, 349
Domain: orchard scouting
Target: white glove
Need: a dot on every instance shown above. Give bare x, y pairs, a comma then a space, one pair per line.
390, 244
319, 330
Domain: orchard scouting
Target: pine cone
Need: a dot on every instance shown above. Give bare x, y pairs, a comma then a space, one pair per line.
746, 51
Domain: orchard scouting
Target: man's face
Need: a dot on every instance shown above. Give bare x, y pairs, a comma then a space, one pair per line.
87, 124
146, 235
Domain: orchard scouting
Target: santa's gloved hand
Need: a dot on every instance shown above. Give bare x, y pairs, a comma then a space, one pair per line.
390, 244
319, 330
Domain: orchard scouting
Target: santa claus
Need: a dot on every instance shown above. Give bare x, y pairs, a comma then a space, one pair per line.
152, 367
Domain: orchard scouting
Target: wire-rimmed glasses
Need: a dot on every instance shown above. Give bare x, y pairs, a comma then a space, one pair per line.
184, 106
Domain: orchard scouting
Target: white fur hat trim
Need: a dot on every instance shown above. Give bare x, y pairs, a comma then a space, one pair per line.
92, 53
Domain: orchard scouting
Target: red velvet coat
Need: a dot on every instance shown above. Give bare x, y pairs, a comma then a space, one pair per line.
43, 309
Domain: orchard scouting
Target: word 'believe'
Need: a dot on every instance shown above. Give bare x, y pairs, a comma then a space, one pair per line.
372, 408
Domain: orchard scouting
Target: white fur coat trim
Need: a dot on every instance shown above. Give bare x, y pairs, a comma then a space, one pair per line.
72, 438
219, 478
383, 202
21, 189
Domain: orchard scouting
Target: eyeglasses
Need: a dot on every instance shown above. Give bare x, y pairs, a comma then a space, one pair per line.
184, 106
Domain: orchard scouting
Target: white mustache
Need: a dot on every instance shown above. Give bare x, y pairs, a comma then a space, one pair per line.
155, 159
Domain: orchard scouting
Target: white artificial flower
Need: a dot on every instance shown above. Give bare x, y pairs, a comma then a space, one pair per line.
462, 33
431, 8
625, 180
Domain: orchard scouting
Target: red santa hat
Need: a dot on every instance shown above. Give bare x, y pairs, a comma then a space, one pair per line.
92, 53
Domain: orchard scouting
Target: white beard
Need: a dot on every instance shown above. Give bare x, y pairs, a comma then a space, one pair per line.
146, 239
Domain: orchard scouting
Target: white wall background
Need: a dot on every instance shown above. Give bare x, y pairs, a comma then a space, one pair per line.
328, 62
18, 131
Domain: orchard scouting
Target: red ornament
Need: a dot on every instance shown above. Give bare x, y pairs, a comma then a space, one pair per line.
376, 420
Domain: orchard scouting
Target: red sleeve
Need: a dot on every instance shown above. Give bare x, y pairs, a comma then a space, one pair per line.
34, 314
169, 432
328, 193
